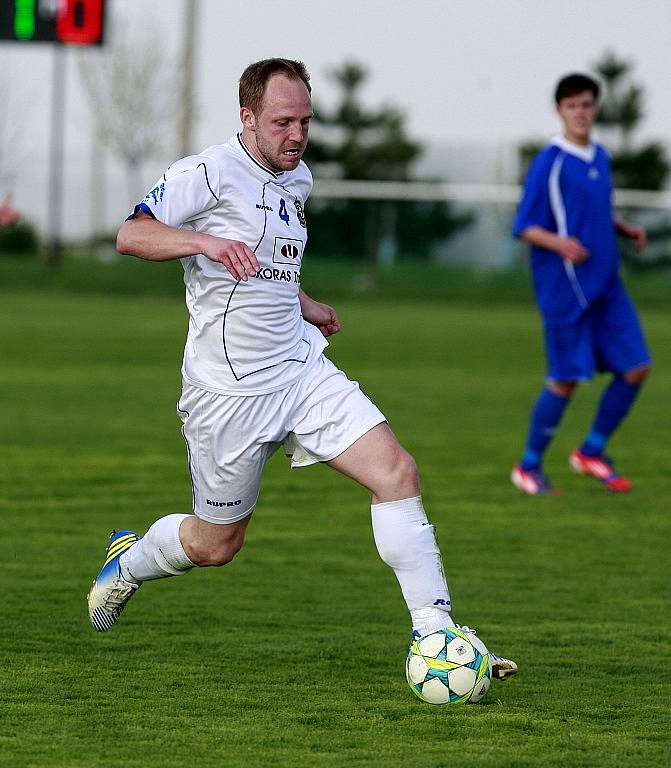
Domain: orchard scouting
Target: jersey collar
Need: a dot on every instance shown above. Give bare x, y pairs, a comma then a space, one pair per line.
584, 153
274, 174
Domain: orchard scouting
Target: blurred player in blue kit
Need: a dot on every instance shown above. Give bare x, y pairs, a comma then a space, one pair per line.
590, 323
254, 373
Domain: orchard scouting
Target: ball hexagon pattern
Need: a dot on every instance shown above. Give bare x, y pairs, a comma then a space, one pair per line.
450, 666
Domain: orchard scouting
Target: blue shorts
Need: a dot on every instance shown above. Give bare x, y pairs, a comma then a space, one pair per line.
606, 337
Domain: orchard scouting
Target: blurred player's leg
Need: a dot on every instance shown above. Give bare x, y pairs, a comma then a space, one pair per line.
546, 415
590, 458
621, 348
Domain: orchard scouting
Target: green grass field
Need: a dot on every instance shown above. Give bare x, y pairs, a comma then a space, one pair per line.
293, 655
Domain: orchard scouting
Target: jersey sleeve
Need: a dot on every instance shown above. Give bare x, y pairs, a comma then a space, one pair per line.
186, 192
534, 209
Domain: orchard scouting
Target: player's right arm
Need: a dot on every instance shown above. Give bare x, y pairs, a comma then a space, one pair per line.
535, 221
170, 221
569, 248
147, 238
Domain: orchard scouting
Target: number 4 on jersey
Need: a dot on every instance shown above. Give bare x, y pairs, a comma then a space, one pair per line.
284, 214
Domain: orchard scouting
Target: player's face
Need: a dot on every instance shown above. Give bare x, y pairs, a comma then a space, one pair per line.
278, 135
578, 114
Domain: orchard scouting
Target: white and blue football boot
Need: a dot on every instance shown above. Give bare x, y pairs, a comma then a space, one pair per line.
110, 592
502, 668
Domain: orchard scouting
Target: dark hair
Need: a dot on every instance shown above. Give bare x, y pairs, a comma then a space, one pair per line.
255, 77
572, 85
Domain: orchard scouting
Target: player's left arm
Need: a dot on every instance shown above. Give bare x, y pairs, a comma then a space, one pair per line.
321, 315
633, 231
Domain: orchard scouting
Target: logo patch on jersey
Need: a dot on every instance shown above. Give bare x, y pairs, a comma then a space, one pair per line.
593, 173
155, 194
283, 213
288, 251
300, 212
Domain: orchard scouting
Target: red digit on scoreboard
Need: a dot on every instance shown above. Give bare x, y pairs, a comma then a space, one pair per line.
80, 22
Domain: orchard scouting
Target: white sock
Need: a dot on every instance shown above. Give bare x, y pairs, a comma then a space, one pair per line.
406, 541
158, 554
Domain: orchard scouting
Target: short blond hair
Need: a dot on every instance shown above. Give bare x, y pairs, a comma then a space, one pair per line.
255, 78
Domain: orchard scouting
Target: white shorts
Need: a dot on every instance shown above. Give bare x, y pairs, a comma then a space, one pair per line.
229, 438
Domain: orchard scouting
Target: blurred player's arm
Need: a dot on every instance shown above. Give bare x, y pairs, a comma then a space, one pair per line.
569, 248
321, 315
633, 232
147, 238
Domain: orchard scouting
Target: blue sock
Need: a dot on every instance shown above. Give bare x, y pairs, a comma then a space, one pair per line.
615, 403
545, 417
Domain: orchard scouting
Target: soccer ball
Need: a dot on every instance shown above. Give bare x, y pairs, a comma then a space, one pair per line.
449, 666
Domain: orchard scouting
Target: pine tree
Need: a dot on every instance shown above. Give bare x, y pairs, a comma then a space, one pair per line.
620, 113
643, 166
351, 141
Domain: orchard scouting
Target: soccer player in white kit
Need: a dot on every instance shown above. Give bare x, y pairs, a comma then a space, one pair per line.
254, 373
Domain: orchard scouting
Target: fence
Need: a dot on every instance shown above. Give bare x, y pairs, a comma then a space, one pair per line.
488, 241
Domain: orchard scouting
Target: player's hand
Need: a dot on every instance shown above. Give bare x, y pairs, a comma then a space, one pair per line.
237, 257
571, 249
331, 326
638, 235
321, 315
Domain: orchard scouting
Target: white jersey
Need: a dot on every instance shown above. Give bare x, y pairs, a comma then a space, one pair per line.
245, 337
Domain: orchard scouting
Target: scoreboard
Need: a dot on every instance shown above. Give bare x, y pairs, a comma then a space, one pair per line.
69, 22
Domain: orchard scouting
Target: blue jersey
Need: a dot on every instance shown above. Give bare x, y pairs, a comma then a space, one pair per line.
568, 190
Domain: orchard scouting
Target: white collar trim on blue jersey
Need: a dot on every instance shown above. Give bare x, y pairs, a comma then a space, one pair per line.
585, 153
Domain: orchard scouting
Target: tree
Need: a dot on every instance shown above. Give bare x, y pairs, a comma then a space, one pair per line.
12, 128
130, 84
364, 144
620, 112
621, 103
645, 166
351, 141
